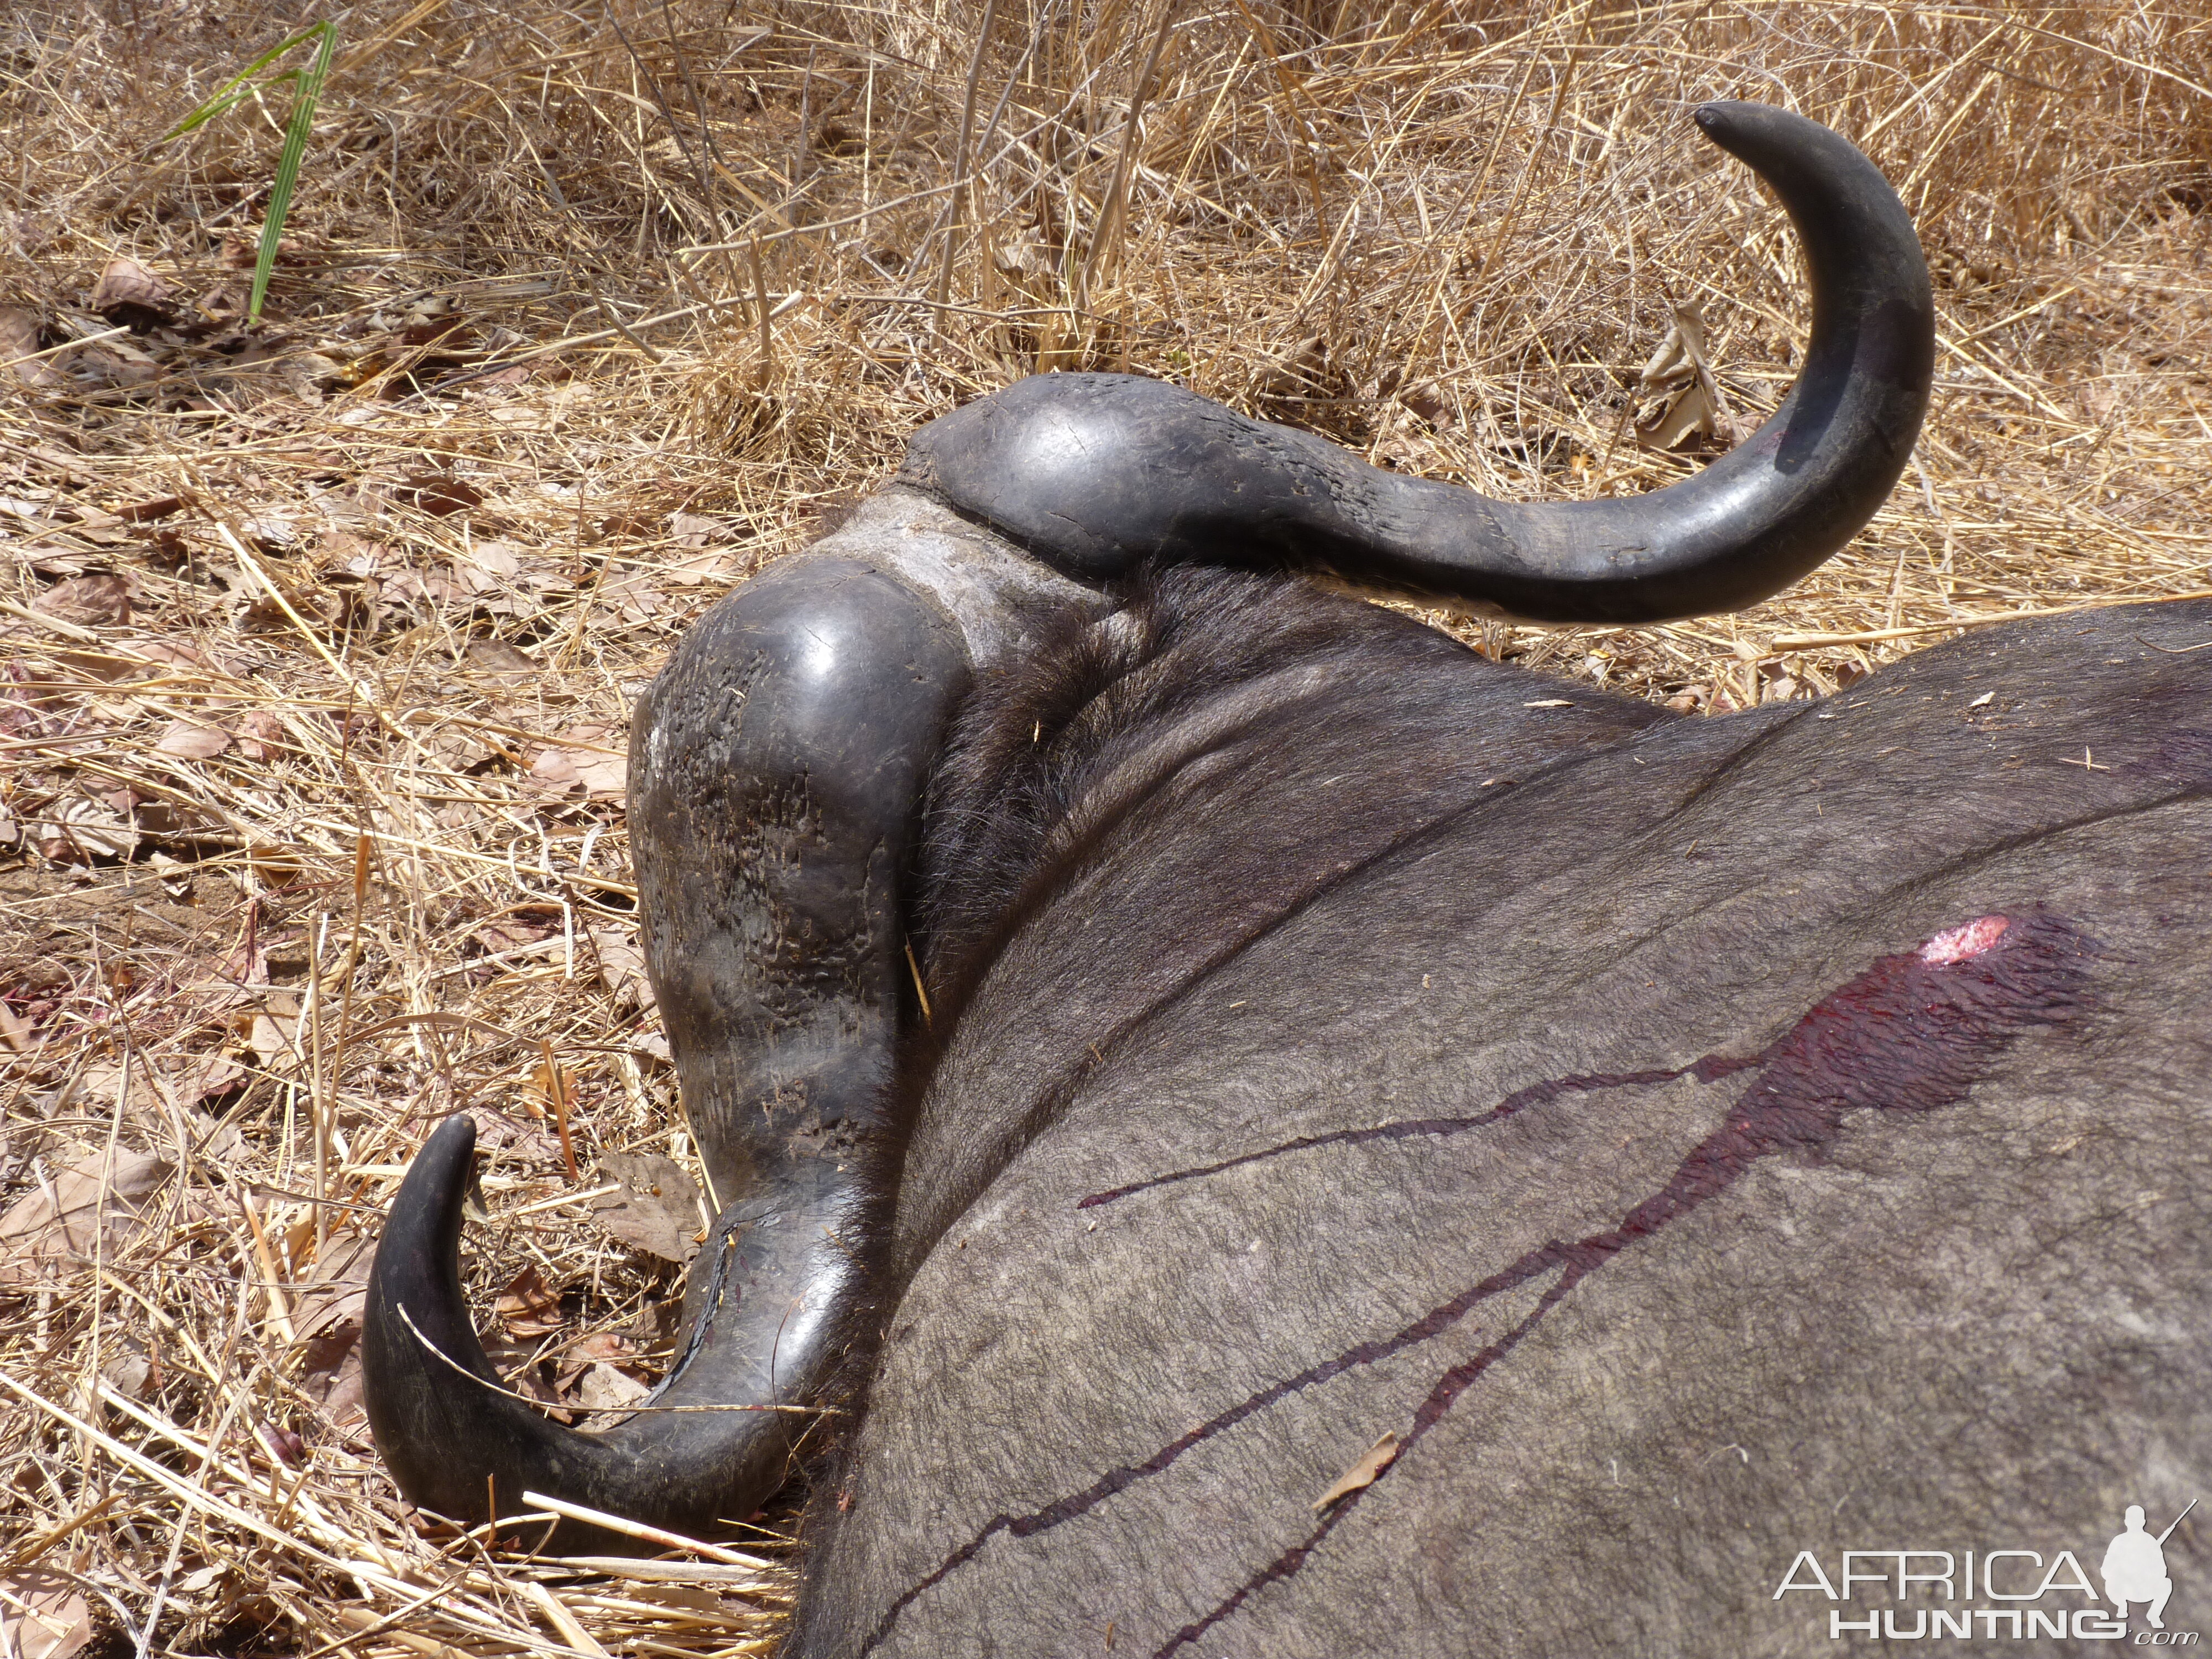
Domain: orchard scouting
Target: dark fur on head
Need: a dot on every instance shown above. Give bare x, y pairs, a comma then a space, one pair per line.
1050, 755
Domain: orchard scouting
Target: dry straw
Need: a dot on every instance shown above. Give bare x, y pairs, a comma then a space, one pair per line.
320, 633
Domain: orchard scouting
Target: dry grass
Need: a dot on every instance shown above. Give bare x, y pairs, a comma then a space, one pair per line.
320, 634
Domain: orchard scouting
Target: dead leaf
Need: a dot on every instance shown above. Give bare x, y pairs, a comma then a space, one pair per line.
1368, 1470
272, 1035
336, 1288
528, 1382
58, 1226
261, 735
695, 530
713, 564
1427, 400
332, 1376
77, 831
497, 657
630, 599
1696, 408
509, 935
271, 534
89, 601
1689, 415
488, 565
42, 1616
657, 1209
529, 1306
129, 1369
327, 1315
280, 1443
604, 1388
112, 364
568, 762
19, 344
441, 494
189, 740
608, 1345
130, 293
554, 767
622, 966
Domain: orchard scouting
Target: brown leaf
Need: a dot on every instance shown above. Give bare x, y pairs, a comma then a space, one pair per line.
19, 342
166, 651
695, 530
326, 1313
1368, 1470
1428, 401
497, 657
622, 966
111, 364
712, 564
509, 934
441, 494
529, 1306
604, 1388
43, 1615
488, 565
568, 762
189, 740
77, 831
528, 1382
1689, 415
554, 767
57, 1228
271, 534
129, 1369
261, 735
630, 599
336, 1289
332, 1376
657, 1209
609, 1345
130, 293
270, 1039
89, 601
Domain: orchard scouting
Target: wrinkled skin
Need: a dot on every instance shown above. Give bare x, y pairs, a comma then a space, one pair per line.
1575, 1093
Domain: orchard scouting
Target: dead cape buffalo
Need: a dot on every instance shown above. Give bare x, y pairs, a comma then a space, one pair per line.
1640, 1149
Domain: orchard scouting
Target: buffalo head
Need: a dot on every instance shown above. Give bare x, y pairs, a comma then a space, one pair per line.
780, 766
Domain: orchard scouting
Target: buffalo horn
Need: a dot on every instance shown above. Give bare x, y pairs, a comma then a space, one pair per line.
1191, 481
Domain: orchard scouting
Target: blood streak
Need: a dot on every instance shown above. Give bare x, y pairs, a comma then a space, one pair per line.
1912, 1033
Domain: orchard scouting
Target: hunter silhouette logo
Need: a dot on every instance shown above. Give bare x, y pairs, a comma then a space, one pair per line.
2011, 1595
2135, 1567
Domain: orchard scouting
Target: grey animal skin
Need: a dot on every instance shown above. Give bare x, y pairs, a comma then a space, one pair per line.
1698, 1141
1156, 1031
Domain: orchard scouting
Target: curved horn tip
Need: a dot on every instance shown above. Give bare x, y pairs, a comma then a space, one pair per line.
460, 1444
1725, 119
447, 1152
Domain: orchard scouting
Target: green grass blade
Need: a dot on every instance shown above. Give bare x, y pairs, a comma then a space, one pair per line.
308, 93
241, 85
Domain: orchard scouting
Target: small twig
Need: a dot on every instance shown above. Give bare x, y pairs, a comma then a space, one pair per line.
644, 1532
964, 186
1107, 235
